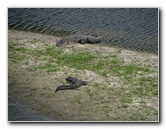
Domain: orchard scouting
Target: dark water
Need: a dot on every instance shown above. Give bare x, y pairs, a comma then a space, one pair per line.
132, 28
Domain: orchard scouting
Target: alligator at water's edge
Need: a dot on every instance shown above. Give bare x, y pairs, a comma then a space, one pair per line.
74, 83
78, 39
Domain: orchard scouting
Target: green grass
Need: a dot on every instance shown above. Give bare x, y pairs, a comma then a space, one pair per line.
17, 49
135, 81
103, 65
48, 67
33, 41
17, 53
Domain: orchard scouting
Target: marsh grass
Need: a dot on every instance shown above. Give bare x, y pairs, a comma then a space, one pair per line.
128, 80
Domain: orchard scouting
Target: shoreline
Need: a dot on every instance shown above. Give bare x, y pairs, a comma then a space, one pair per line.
55, 38
37, 67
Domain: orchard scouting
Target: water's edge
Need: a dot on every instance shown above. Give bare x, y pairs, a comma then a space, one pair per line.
131, 28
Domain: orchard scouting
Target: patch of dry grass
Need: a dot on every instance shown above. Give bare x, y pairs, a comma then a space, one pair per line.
122, 84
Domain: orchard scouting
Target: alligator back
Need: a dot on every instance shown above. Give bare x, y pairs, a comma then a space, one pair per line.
74, 83
78, 39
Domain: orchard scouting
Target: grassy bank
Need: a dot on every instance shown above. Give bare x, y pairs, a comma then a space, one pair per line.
122, 84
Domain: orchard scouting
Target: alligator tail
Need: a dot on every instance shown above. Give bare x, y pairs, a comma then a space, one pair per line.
64, 87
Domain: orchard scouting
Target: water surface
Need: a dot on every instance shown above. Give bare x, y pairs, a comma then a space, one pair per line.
131, 28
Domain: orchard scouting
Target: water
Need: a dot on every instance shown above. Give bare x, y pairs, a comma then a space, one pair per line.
131, 28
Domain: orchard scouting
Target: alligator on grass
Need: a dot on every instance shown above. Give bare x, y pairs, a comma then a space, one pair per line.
74, 83
78, 39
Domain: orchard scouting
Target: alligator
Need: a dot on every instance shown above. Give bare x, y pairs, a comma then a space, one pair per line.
74, 83
78, 39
